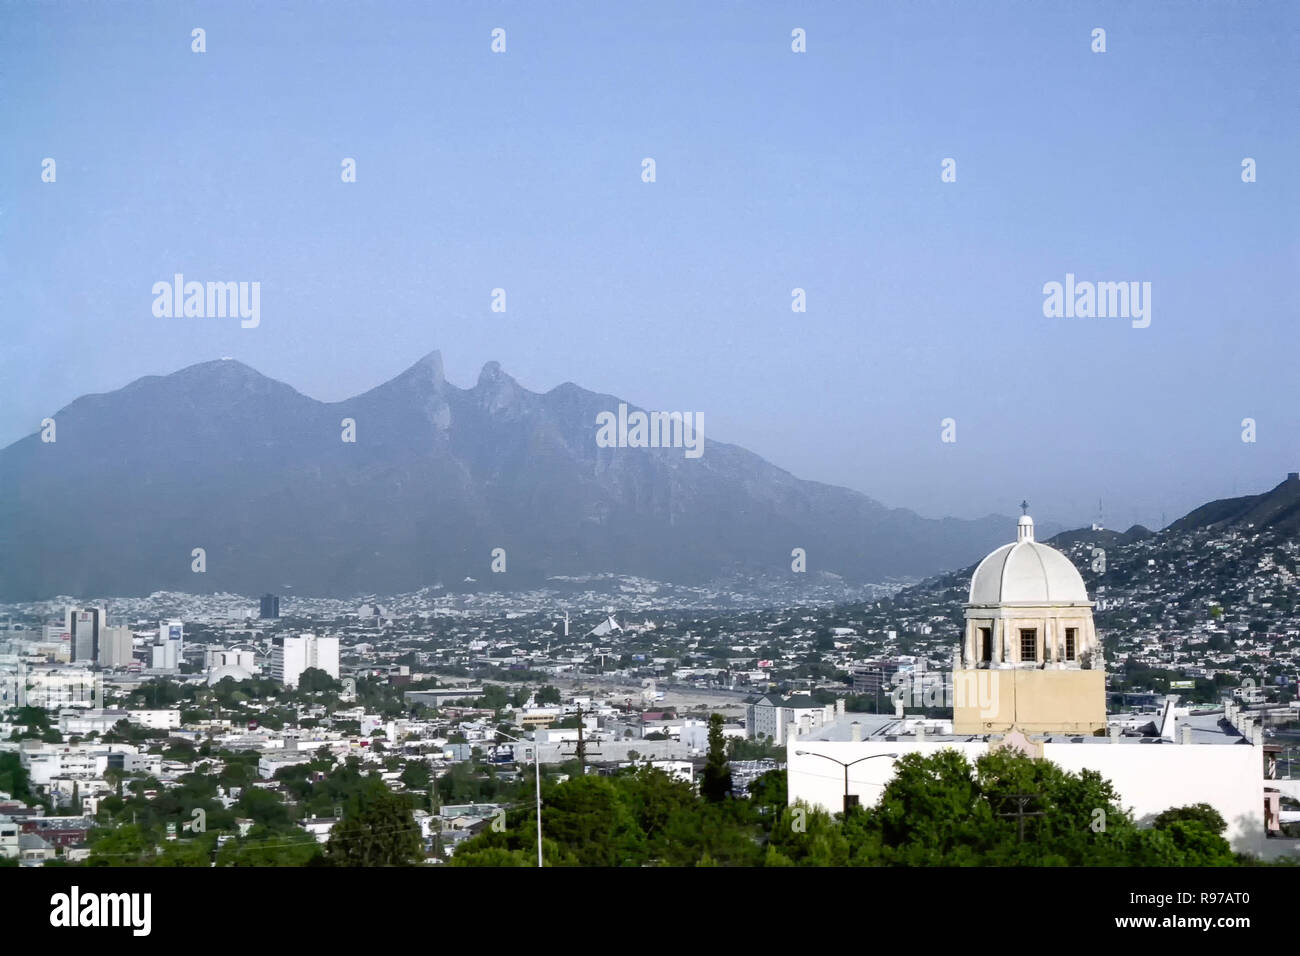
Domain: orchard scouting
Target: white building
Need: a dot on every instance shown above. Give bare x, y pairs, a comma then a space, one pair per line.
771, 716
8, 838
55, 634
45, 762
156, 719
115, 646
269, 763
238, 663
79, 723
319, 827
1030, 631
168, 649
290, 656
56, 687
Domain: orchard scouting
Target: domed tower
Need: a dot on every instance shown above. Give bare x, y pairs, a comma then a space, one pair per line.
1030, 658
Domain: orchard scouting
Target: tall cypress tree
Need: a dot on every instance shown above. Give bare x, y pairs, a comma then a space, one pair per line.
715, 786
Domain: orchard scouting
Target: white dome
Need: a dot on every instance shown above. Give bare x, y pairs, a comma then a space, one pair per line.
1027, 573
217, 674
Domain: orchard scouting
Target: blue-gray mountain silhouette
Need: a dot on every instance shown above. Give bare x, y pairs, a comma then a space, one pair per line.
220, 457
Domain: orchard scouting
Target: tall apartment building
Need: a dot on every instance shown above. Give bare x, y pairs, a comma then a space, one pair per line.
82, 625
270, 606
290, 656
168, 649
115, 647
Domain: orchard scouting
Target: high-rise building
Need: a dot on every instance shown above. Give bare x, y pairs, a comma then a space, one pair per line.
169, 648
270, 606
82, 625
290, 656
115, 647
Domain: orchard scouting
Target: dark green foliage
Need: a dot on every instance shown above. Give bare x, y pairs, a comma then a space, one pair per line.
715, 786
1005, 810
14, 779
1201, 813
313, 679
376, 830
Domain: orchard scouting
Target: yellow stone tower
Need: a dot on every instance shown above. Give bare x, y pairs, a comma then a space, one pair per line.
1030, 659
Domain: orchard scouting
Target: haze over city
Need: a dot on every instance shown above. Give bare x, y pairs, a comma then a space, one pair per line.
773, 172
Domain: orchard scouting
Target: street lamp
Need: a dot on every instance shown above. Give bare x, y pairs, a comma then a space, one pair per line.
537, 770
848, 800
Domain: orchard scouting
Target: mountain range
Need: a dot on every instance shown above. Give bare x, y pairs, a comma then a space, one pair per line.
217, 456
1277, 509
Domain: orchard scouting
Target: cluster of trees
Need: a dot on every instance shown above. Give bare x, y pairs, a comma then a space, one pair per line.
1135, 676
754, 748
1005, 810
497, 697
34, 724
15, 780
376, 828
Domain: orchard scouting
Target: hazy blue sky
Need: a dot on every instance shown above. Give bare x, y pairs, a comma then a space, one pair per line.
775, 170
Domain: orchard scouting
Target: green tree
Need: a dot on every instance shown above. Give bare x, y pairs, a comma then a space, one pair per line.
492, 856
377, 830
1201, 813
416, 775
715, 785
129, 845
266, 847
14, 778
587, 816
265, 807
313, 680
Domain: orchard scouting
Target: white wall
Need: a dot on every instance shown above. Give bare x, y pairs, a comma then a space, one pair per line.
1154, 777
323, 653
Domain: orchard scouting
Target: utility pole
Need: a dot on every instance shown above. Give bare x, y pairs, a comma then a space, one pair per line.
1022, 799
436, 822
580, 750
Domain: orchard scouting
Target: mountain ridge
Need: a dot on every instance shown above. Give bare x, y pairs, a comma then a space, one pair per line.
219, 456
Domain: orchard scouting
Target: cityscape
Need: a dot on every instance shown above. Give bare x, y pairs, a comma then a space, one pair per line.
210, 728
455, 442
